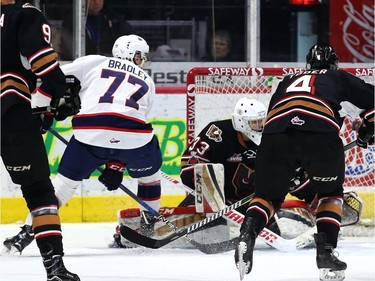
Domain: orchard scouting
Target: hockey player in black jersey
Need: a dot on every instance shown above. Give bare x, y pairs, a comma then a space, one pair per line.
302, 128
26, 54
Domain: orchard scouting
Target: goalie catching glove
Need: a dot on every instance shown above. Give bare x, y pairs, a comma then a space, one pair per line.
112, 175
365, 134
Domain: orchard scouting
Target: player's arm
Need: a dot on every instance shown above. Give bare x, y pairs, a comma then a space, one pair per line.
35, 46
39, 56
361, 94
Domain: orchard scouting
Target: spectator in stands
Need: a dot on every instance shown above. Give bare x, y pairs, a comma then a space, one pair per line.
221, 47
103, 27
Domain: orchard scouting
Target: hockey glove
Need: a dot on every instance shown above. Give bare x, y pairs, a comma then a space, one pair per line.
305, 193
299, 178
112, 175
70, 104
46, 121
365, 134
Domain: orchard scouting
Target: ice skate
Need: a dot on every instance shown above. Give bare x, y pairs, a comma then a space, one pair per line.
243, 255
16, 244
330, 267
117, 243
148, 221
55, 268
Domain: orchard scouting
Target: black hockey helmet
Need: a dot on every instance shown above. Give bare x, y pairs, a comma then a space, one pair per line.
322, 57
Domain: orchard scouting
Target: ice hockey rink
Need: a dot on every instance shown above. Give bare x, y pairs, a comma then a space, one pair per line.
87, 254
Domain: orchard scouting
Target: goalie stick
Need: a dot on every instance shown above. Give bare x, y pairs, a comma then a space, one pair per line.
149, 242
269, 237
139, 239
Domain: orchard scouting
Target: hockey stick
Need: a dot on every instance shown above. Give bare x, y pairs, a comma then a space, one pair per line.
269, 237
129, 233
350, 145
148, 242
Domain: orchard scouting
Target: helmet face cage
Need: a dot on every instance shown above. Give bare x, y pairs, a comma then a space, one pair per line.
320, 57
132, 48
248, 118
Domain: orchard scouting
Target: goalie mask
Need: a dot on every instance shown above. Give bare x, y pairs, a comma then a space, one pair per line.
132, 48
248, 118
320, 57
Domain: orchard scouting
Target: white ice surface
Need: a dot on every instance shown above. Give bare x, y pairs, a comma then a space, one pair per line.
87, 254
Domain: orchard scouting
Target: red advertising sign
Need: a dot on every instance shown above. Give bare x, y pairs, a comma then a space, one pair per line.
352, 30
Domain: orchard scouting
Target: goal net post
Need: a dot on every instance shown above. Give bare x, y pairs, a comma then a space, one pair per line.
212, 92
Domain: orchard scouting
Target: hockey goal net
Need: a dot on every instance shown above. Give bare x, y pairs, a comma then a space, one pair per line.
212, 93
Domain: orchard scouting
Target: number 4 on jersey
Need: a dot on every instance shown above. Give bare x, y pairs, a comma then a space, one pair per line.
304, 84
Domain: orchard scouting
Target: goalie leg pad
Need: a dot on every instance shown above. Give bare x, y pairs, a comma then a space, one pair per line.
209, 187
351, 208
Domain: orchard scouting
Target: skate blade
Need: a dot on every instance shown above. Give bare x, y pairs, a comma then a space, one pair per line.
14, 251
243, 267
5, 251
326, 274
10, 251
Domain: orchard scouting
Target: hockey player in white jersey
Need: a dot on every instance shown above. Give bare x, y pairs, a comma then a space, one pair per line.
111, 129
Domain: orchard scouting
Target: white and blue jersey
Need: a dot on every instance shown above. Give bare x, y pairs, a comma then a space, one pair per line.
116, 96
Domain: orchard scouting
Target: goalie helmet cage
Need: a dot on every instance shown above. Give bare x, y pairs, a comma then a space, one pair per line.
212, 92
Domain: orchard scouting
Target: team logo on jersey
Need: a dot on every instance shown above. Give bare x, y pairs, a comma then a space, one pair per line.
297, 121
237, 157
214, 133
113, 140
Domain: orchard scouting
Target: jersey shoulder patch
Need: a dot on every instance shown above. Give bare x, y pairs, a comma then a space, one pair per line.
214, 133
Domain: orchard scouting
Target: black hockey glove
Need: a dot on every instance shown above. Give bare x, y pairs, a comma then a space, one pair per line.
365, 134
112, 175
299, 178
306, 193
46, 121
72, 102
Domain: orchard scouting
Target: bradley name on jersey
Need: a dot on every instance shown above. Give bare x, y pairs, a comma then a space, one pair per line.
116, 64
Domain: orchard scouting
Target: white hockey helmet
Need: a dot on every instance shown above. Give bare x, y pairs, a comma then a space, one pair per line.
248, 118
132, 48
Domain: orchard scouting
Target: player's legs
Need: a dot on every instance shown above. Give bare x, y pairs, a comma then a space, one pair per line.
325, 165
25, 158
80, 160
275, 166
274, 169
144, 164
64, 186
